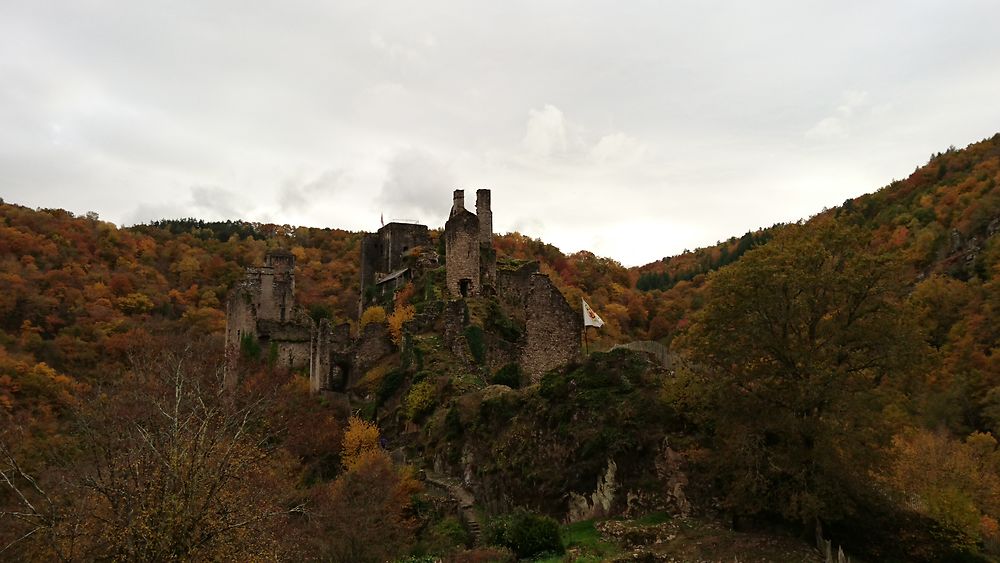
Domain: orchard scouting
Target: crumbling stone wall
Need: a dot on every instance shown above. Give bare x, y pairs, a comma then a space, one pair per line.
500, 353
319, 358
263, 308
514, 286
329, 356
553, 328
240, 322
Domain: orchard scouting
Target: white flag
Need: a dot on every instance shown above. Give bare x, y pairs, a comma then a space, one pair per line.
590, 318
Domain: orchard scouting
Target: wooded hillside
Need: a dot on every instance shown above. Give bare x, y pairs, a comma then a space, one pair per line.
868, 334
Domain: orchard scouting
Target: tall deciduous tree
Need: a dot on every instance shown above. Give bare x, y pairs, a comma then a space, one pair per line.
803, 342
169, 469
365, 515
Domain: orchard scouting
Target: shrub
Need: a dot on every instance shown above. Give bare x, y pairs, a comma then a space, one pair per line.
509, 375
474, 336
526, 534
397, 319
374, 314
482, 555
420, 400
453, 424
446, 535
249, 347
389, 385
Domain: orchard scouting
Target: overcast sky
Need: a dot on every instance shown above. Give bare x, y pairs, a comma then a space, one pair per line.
631, 129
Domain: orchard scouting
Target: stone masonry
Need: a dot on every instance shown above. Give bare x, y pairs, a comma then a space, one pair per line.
383, 252
461, 236
262, 307
262, 310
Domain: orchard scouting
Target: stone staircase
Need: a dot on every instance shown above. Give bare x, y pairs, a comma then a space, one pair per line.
466, 501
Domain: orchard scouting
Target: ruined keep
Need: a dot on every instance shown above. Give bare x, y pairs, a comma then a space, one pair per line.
382, 258
261, 315
552, 328
461, 247
469, 255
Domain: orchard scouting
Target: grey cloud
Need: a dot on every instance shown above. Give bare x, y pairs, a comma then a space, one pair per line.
417, 187
295, 196
837, 126
581, 117
218, 203
202, 202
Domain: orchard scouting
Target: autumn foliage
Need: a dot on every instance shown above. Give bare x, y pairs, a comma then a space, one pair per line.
840, 366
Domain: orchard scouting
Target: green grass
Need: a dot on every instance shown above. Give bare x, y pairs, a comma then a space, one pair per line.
582, 539
652, 519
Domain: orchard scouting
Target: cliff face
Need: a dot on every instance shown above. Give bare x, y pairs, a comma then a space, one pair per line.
584, 442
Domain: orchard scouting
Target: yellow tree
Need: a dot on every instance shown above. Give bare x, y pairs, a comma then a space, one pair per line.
366, 513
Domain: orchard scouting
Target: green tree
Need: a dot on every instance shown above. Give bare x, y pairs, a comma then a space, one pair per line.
802, 344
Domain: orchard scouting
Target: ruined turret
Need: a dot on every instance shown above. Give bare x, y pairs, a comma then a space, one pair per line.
261, 314
461, 240
485, 216
457, 203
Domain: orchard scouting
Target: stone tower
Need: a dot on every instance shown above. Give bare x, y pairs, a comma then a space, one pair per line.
383, 253
262, 309
461, 239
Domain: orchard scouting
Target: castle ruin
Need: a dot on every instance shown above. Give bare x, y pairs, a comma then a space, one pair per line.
261, 312
261, 315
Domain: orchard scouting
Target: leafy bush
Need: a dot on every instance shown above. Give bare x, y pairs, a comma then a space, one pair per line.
482, 555
509, 375
453, 424
526, 534
249, 347
421, 399
474, 336
272, 355
389, 385
446, 535
374, 314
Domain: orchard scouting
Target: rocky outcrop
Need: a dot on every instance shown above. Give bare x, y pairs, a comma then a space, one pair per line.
598, 504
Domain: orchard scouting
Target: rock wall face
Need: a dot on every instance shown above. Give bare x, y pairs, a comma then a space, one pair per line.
461, 234
553, 329
373, 345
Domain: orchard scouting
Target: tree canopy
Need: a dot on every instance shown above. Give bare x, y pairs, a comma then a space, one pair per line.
803, 342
